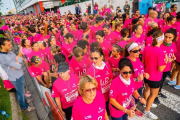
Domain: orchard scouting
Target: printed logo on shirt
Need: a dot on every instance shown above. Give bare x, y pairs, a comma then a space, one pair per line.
171, 50
141, 66
74, 85
136, 69
77, 68
71, 96
97, 76
64, 90
107, 73
123, 94
52, 92
100, 118
84, 65
132, 89
100, 110
88, 117
111, 92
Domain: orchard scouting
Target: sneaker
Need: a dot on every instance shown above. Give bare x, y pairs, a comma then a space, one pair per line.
30, 109
172, 82
156, 101
138, 113
152, 106
27, 95
29, 100
150, 115
177, 87
162, 95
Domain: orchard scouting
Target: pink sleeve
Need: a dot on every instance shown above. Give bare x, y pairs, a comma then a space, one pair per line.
31, 72
55, 92
75, 114
113, 93
161, 59
110, 70
46, 66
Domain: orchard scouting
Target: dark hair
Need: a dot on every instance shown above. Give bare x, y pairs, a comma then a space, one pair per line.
155, 35
93, 45
118, 48
99, 50
86, 36
3, 40
69, 35
23, 42
172, 6
84, 25
124, 32
32, 29
107, 19
178, 16
150, 8
152, 31
166, 13
62, 30
99, 19
125, 51
100, 33
172, 31
125, 62
106, 26
49, 40
170, 18
32, 44
135, 27
134, 21
82, 44
59, 58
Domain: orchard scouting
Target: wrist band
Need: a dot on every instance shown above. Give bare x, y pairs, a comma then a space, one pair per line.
139, 97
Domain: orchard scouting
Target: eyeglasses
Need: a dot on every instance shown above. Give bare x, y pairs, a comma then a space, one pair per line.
95, 58
136, 51
91, 90
125, 72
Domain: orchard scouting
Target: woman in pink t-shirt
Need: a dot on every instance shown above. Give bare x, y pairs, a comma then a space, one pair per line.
139, 38
79, 62
105, 45
154, 62
25, 48
64, 31
91, 105
65, 90
117, 28
40, 70
122, 88
124, 37
115, 58
170, 23
101, 71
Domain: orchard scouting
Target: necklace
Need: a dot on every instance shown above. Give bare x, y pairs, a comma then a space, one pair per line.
68, 84
132, 59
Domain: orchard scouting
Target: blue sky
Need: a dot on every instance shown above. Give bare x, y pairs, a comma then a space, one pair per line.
7, 4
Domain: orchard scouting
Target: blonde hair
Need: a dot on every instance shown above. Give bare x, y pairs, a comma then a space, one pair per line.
84, 80
55, 48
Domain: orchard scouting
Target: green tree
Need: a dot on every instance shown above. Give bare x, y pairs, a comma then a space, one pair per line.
1, 14
1, 3
9, 12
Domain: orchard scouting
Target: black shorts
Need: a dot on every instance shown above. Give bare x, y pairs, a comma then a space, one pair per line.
153, 84
177, 62
2, 31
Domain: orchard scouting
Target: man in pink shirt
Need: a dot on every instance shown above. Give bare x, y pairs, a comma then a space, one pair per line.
111, 37
96, 27
173, 10
35, 37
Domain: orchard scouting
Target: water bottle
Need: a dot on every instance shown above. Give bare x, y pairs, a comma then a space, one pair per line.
4, 113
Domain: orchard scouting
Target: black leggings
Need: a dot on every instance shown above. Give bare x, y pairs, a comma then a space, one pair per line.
107, 107
165, 74
68, 112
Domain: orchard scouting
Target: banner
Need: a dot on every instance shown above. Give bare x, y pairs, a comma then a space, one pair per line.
144, 5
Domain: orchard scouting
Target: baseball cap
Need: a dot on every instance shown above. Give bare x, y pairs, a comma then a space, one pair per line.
35, 59
63, 67
16, 33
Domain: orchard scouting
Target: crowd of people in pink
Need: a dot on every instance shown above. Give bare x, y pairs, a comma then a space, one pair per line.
97, 65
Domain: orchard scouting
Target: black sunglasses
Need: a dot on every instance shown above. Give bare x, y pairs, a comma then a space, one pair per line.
136, 51
125, 73
96, 58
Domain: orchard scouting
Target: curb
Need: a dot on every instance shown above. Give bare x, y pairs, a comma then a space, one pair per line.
15, 108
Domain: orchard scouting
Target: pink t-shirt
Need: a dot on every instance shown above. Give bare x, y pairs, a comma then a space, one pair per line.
169, 50
122, 43
174, 14
118, 33
149, 41
114, 63
93, 31
140, 41
92, 111
177, 23
165, 28
96, 7
34, 53
106, 47
112, 38
4, 27
68, 48
18, 40
177, 54
178, 30
122, 94
66, 90
35, 71
80, 68
158, 7
103, 78
76, 34
127, 23
153, 57
36, 38
161, 23
26, 51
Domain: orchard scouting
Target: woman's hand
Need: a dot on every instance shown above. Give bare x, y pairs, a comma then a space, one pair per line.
140, 77
142, 100
130, 113
63, 113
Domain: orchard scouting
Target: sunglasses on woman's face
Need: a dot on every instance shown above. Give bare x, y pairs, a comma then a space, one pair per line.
91, 90
125, 72
94, 58
136, 51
